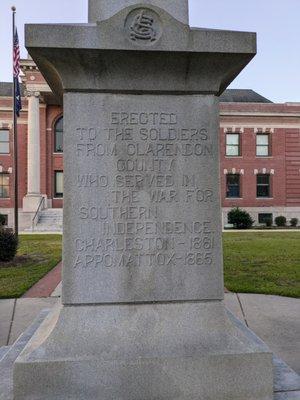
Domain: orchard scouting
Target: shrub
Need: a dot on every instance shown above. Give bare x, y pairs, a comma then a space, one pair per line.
294, 222
240, 218
2, 220
8, 245
280, 221
269, 221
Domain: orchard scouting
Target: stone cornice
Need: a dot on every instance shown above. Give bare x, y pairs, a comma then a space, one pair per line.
104, 59
29, 93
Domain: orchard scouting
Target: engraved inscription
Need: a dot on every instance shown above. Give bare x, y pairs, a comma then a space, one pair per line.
141, 189
159, 250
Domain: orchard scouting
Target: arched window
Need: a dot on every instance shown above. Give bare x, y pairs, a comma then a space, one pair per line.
58, 135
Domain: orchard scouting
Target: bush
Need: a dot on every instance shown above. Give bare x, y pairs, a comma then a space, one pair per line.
240, 219
269, 221
8, 245
2, 220
294, 222
280, 221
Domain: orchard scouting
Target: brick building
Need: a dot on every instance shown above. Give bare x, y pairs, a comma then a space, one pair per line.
260, 153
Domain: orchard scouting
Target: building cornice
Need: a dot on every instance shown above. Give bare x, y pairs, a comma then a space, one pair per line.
25, 109
9, 122
257, 126
38, 87
28, 65
258, 114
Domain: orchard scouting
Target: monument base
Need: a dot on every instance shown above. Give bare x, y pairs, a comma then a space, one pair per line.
182, 351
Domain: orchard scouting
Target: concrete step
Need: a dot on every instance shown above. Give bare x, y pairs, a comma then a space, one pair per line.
286, 381
47, 220
50, 220
3, 351
7, 361
43, 214
51, 212
55, 228
51, 216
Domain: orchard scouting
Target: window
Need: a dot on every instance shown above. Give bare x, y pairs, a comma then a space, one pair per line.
265, 218
58, 184
4, 141
4, 186
233, 185
262, 145
263, 185
58, 136
232, 144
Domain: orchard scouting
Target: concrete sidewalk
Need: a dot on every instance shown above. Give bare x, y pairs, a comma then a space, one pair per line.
260, 230
274, 319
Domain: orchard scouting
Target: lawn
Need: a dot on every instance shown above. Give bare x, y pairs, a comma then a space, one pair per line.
254, 262
37, 255
262, 262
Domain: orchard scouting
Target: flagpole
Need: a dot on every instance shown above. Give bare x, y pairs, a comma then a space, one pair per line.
15, 130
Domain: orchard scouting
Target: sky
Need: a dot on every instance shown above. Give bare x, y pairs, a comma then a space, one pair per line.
274, 72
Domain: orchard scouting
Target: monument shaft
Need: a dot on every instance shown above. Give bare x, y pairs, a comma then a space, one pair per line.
103, 9
143, 191
142, 315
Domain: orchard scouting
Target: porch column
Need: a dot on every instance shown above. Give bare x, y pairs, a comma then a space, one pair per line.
33, 197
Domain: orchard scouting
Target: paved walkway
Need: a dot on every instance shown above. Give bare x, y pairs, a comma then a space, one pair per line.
274, 319
260, 230
17, 314
45, 286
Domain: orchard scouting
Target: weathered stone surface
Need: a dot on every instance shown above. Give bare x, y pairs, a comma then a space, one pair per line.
287, 396
6, 363
286, 382
103, 9
106, 59
142, 313
142, 210
183, 351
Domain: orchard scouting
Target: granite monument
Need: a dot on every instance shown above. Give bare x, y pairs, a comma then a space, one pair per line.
142, 314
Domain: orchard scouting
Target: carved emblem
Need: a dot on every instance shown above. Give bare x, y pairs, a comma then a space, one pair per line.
142, 27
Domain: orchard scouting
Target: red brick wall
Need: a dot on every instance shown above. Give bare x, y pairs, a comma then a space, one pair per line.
284, 160
248, 161
6, 161
49, 161
292, 157
284, 121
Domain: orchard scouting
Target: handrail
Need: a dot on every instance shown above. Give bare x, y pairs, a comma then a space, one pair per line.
36, 215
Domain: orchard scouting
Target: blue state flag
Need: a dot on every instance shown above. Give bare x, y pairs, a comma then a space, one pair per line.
18, 101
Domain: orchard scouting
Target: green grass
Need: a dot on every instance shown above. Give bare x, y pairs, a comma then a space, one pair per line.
262, 262
254, 262
37, 255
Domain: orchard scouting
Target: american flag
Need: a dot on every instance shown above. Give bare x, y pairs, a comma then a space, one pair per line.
16, 67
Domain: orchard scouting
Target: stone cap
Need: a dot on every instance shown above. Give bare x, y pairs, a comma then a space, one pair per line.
105, 57
103, 9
